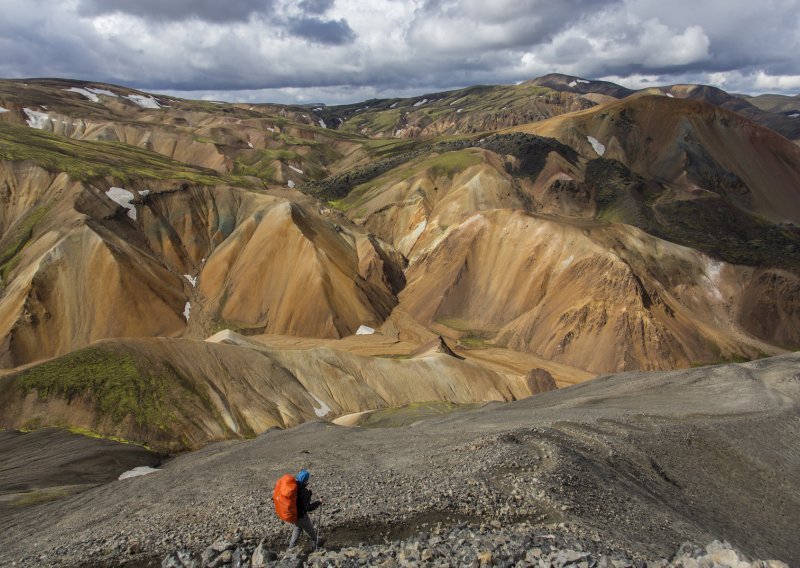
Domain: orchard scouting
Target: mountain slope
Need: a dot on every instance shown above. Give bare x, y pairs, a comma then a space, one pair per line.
179, 394
650, 232
639, 462
531, 242
464, 111
82, 260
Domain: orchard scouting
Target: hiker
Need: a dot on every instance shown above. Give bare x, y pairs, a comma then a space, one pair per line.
296, 510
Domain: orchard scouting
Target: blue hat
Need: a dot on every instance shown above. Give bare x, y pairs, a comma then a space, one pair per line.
303, 476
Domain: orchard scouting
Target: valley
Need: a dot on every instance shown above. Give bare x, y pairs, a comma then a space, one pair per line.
407, 285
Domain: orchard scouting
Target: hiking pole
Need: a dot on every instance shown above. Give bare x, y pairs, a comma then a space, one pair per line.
319, 526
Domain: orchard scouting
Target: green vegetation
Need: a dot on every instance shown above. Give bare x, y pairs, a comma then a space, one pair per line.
87, 160
18, 237
446, 164
477, 102
471, 342
621, 195
338, 186
721, 359
261, 163
710, 223
44, 495
722, 230
451, 163
453, 156
530, 150
98, 436
471, 338
117, 383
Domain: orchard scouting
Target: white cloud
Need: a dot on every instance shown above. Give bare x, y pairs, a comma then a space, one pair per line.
268, 50
777, 82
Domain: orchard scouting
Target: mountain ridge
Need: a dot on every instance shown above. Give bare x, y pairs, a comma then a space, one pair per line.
649, 232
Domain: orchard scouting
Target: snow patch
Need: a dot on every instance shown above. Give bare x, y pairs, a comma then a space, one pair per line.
105, 92
583, 81
88, 94
192, 279
364, 330
460, 111
36, 119
598, 147
123, 197
670, 95
187, 310
3, 109
138, 471
322, 123
323, 409
290, 183
573, 83
249, 143
143, 101
144, 192
398, 132
795, 115
298, 170
420, 102
393, 105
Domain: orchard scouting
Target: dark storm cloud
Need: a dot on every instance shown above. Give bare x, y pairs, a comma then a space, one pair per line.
316, 7
327, 32
174, 10
380, 46
451, 25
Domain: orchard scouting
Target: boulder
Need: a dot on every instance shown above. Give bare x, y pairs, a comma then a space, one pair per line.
539, 381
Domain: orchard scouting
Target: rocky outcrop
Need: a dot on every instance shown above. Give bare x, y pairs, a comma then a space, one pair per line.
434, 346
517, 545
539, 381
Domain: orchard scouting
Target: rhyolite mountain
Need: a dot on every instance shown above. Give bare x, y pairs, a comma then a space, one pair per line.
562, 224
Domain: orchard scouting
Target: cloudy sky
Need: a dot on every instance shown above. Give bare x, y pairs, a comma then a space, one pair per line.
337, 51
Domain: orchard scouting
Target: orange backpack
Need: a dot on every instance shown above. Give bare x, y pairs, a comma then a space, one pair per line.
285, 497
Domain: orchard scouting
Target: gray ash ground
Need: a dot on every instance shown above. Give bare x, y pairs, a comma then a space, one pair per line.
626, 467
519, 546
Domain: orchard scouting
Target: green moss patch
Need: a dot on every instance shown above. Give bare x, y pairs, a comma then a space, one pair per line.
117, 383
86, 160
19, 236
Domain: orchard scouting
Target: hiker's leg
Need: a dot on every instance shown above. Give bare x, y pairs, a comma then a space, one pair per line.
295, 534
306, 524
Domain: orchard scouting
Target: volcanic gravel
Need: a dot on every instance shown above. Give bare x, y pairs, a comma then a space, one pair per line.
626, 467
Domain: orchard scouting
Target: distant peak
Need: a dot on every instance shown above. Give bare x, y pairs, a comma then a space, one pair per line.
437, 345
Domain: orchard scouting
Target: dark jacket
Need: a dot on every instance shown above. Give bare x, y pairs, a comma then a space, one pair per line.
304, 504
